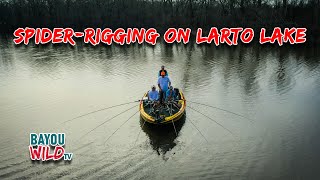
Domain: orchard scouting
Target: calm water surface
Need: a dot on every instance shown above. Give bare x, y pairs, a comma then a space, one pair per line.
278, 88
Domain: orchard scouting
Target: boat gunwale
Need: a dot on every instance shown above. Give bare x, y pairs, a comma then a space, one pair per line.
175, 117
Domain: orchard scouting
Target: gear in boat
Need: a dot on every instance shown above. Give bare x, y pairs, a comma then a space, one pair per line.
163, 112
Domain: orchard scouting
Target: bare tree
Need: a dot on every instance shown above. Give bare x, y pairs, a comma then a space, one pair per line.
284, 7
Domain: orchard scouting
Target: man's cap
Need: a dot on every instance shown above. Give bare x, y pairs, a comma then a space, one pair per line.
162, 66
153, 87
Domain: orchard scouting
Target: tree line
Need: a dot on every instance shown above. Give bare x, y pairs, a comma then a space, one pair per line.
160, 14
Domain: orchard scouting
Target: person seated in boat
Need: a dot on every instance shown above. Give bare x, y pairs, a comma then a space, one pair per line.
170, 94
163, 84
163, 70
153, 95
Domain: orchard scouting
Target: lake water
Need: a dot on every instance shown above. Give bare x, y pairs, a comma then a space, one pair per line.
277, 87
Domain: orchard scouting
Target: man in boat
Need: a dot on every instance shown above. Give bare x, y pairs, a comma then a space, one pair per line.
163, 84
163, 70
170, 94
153, 95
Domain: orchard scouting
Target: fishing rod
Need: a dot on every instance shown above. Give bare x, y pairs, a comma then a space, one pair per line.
108, 121
251, 120
99, 111
198, 130
213, 121
121, 126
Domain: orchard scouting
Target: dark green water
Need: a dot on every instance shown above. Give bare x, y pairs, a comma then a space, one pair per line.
279, 88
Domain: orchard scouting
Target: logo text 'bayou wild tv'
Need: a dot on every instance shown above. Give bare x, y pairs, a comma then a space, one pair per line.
48, 146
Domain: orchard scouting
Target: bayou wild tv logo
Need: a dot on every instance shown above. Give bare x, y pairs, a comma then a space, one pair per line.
48, 146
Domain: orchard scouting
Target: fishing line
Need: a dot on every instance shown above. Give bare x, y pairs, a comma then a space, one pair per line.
121, 126
139, 130
174, 127
198, 130
173, 122
99, 111
108, 121
223, 110
213, 121
139, 134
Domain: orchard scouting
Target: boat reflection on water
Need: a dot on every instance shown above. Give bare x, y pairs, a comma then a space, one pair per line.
162, 137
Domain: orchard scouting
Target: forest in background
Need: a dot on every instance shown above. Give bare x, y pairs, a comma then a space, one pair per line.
161, 14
